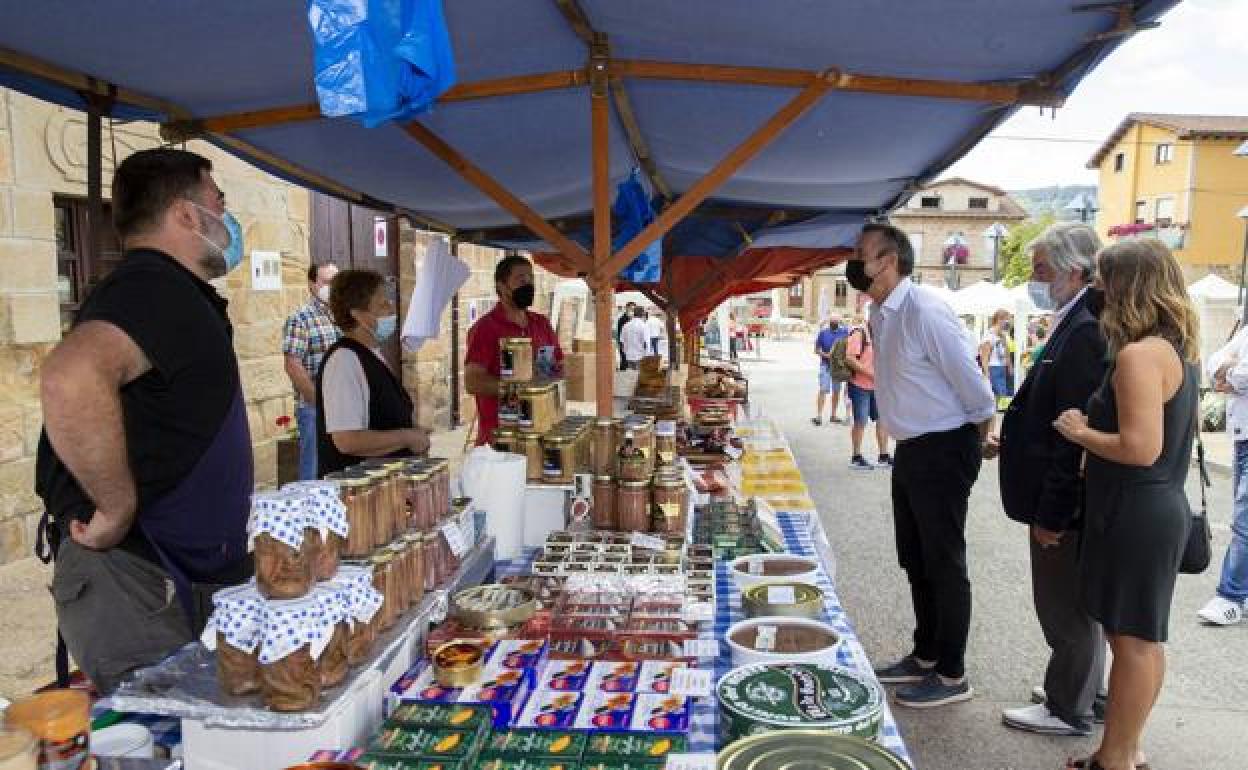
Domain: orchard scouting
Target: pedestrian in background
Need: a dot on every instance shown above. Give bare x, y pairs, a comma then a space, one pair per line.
620, 322
1040, 469
657, 329
307, 336
1228, 371
635, 339
830, 381
994, 356
1138, 433
933, 399
860, 392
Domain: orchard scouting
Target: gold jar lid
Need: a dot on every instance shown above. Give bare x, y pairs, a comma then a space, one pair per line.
536, 388
634, 484
661, 480
382, 557
556, 439
353, 480
508, 342
529, 437
604, 479
500, 432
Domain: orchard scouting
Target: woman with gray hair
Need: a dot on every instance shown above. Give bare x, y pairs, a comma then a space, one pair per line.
1040, 477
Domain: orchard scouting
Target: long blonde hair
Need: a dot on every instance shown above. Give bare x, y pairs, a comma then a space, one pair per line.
1145, 296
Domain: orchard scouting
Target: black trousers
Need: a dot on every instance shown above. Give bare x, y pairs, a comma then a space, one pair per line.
932, 479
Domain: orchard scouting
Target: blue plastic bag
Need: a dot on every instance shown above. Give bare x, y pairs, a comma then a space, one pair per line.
630, 214
380, 60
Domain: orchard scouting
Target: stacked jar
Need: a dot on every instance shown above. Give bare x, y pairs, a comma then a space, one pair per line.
279, 533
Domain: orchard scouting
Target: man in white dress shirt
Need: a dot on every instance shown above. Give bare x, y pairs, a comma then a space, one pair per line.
635, 339
934, 400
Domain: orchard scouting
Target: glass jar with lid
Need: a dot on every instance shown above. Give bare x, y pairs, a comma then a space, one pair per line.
384, 581
420, 498
606, 445
558, 458
359, 495
530, 445
603, 512
433, 559
504, 440
441, 479
669, 496
509, 404
537, 407
515, 359
632, 506
631, 460
665, 441
416, 553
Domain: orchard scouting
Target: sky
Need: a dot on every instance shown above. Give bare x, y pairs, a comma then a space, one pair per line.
1196, 62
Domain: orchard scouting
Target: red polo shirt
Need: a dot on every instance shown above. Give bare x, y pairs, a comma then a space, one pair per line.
483, 340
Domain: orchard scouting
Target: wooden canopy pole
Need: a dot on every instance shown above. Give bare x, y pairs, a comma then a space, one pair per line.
733, 161
499, 194
602, 281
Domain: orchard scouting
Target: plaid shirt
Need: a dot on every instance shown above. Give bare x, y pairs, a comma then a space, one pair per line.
308, 335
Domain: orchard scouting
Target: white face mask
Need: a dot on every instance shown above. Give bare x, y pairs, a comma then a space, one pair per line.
323, 294
1041, 294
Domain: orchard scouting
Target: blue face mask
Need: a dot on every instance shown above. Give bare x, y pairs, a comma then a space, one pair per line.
232, 251
386, 326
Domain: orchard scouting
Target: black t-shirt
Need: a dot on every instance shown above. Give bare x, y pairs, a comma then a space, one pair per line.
173, 412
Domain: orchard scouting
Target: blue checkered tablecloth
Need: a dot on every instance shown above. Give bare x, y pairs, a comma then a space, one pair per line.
802, 533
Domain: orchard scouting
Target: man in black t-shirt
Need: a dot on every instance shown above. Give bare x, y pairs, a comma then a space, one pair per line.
145, 465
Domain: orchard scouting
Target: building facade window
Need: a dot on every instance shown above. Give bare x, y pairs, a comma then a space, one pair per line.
78, 266
977, 203
916, 243
795, 295
1119, 161
1141, 212
929, 202
841, 294
1165, 153
1164, 212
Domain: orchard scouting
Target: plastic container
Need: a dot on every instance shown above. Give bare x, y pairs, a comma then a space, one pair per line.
752, 570
782, 639
60, 722
125, 740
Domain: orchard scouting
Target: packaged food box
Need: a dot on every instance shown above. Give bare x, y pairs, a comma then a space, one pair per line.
674, 628
372, 761
574, 647
592, 627
519, 653
564, 675
662, 713
525, 763
607, 676
551, 709
430, 742
650, 747
460, 716
503, 690
656, 675
547, 744
623, 764
606, 711
648, 648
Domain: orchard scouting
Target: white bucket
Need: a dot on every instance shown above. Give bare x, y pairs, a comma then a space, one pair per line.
124, 740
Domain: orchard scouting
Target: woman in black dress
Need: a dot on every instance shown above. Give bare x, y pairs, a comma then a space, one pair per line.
1138, 435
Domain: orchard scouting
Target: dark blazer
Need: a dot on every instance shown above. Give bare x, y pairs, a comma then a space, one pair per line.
1040, 469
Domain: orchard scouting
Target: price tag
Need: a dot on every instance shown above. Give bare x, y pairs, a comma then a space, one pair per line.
454, 538
732, 452
691, 682
698, 612
702, 648
649, 542
690, 762
781, 595
765, 639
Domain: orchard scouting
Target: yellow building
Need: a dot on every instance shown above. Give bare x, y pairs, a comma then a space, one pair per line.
1179, 174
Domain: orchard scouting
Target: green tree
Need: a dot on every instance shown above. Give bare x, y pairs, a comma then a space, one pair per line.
1014, 249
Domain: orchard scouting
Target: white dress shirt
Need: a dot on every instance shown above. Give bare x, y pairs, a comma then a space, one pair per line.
635, 340
657, 328
926, 378
1237, 378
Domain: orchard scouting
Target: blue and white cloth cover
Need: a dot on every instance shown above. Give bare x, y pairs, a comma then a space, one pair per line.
282, 516
324, 505
238, 616
294, 624
362, 599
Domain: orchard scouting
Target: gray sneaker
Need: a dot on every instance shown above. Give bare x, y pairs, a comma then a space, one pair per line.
905, 671
932, 692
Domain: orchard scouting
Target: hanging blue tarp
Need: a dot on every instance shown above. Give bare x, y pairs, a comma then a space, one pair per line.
630, 214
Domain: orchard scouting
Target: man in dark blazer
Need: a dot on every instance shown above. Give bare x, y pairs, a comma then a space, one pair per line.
1040, 473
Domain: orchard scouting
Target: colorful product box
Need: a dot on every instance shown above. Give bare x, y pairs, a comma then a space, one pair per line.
526, 763
550, 709
607, 676
623, 764
564, 675
503, 690
380, 762
578, 648
650, 747
429, 742
662, 713
606, 711
454, 715
519, 653
544, 744
655, 676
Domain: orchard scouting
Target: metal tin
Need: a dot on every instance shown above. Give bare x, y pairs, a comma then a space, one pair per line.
762, 601
493, 606
807, 748
762, 697
458, 663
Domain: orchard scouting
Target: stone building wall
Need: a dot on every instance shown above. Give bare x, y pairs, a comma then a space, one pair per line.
42, 154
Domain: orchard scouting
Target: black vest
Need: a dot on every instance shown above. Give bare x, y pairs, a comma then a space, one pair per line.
389, 406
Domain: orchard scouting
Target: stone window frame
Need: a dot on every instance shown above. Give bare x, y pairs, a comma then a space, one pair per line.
73, 252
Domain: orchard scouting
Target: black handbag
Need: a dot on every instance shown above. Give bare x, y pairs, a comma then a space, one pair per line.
1198, 551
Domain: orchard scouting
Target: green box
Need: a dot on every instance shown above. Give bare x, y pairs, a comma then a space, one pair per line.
649, 747
455, 716
545, 744
526, 763
372, 761
623, 764
428, 742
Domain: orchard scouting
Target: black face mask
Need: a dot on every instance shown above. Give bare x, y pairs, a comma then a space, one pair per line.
856, 274
522, 296
834, 325
1094, 301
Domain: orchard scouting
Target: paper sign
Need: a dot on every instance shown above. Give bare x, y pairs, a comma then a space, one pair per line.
690, 762
454, 538
698, 612
765, 640
691, 682
781, 595
649, 542
701, 648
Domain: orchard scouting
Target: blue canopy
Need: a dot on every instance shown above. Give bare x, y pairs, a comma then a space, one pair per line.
855, 154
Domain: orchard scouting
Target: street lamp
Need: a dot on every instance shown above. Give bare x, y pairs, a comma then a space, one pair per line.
1083, 206
955, 251
992, 237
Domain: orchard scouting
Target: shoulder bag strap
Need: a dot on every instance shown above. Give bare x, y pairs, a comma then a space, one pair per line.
1204, 472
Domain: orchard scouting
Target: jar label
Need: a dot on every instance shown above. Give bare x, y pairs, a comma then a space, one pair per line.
71, 754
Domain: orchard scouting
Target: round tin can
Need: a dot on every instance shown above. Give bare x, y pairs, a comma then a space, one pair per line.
807, 749
787, 600
458, 662
762, 697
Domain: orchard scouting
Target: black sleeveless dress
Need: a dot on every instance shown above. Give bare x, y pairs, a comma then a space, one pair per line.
1136, 519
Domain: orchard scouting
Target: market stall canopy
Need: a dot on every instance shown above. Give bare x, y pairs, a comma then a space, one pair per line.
1214, 287
880, 98
982, 298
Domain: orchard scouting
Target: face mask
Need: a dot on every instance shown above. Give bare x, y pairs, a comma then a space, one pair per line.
522, 296
232, 251
1040, 295
323, 294
856, 274
386, 326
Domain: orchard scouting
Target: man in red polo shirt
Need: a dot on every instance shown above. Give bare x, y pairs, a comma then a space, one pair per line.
513, 280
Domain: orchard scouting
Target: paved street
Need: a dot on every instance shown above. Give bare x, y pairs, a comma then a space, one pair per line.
1199, 723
